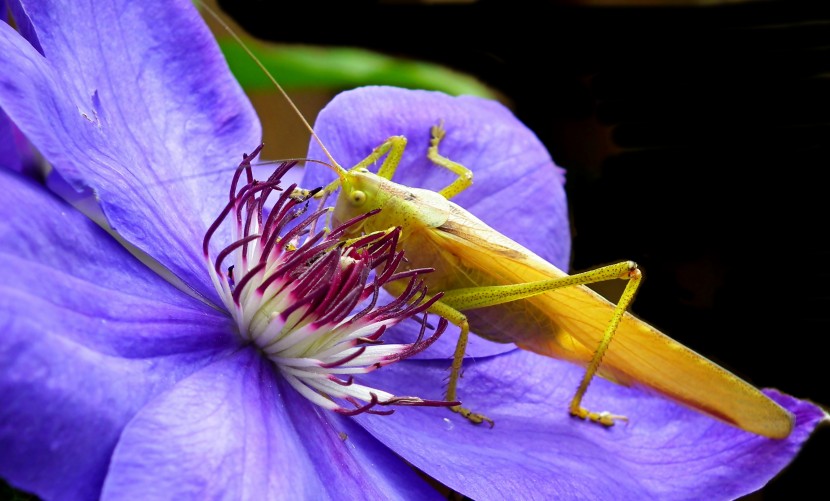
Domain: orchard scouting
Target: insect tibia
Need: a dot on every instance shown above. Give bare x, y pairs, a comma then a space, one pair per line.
465, 175
625, 270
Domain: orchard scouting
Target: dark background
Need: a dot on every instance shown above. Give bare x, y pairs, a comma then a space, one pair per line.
696, 143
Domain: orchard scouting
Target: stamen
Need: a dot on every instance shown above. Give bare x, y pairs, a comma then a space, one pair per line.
308, 300
345, 360
237, 291
245, 166
229, 249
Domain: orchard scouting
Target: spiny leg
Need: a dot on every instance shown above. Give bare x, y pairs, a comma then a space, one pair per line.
350, 241
394, 146
576, 409
482, 297
457, 318
465, 175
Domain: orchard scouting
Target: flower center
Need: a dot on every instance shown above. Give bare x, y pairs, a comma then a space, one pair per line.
309, 300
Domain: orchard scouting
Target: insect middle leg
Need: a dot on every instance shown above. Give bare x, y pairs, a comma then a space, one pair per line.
465, 175
457, 318
482, 297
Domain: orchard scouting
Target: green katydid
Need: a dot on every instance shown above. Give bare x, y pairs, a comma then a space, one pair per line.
489, 280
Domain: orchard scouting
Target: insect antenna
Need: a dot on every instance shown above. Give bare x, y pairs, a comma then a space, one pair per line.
264, 163
340, 171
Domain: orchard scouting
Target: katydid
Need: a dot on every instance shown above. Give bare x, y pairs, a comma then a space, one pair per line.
502, 291
491, 282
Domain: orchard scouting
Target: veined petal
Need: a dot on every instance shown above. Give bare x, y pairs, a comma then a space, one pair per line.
151, 136
230, 432
89, 335
64, 407
537, 451
69, 273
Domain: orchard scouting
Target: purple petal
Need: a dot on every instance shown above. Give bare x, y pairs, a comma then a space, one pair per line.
514, 176
23, 23
15, 152
133, 100
89, 335
536, 450
236, 430
69, 271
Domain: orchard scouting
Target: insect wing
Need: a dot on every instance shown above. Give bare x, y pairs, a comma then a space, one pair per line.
569, 323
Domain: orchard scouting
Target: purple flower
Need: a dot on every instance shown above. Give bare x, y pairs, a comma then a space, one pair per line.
118, 384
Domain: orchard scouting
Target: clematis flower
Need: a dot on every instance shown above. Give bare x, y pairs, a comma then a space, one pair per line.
120, 382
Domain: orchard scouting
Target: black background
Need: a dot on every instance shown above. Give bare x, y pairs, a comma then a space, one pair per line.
696, 143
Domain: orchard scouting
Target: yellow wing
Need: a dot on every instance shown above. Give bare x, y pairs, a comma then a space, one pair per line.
568, 324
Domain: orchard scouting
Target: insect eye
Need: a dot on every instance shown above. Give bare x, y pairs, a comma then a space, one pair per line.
357, 198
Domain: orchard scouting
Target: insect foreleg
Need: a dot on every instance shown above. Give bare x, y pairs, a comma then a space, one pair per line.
351, 241
488, 296
394, 146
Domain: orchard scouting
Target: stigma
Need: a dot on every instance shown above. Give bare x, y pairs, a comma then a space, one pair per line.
308, 298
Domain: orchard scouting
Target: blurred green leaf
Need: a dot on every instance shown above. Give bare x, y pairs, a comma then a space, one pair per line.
333, 68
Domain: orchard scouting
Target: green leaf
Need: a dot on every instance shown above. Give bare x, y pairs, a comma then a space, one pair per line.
334, 68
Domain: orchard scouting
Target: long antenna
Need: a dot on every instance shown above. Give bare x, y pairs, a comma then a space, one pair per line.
338, 169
